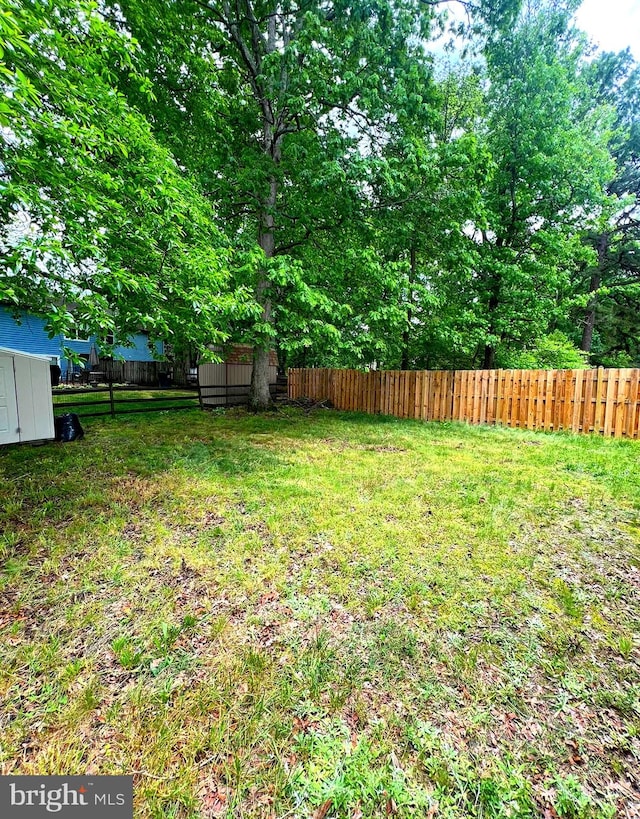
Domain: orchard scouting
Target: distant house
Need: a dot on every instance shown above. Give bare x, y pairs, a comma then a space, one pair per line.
28, 335
223, 383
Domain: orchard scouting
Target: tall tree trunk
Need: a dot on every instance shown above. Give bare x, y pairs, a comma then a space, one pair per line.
406, 335
489, 360
493, 287
590, 315
404, 362
596, 278
489, 357
259, 393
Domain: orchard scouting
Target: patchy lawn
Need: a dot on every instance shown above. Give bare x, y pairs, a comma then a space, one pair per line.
329, 616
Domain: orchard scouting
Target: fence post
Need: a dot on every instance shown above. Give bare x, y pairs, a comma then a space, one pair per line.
200, 392
111, 401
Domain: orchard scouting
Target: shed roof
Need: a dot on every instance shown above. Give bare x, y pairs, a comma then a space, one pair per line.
9, 351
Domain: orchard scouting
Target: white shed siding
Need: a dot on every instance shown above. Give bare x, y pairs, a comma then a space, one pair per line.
28, 377
9, 432
35, 402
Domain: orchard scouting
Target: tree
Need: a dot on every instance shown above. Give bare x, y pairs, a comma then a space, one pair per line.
612, 283
550, 161
370, 213
428, 187
489, 221
288, 96
100, 229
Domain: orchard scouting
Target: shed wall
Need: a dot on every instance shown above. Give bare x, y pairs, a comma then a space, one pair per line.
25, 398
210, 375
35, 402
235, 377
9, 432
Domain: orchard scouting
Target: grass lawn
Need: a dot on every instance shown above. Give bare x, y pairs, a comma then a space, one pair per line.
329, 615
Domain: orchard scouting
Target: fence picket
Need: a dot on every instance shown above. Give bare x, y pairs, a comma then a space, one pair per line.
609, 402
426, 395
530, 412
597, 418
471, 380
567, 407
577, 401
632, 413
538, 417
491, 409
445, 394
622, 402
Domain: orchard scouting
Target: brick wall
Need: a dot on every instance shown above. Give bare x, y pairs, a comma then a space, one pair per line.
243, 354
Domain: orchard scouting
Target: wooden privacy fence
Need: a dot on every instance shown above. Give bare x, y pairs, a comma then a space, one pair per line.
601, 401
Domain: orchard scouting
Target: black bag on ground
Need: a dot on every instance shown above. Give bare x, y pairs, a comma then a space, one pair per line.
68, 427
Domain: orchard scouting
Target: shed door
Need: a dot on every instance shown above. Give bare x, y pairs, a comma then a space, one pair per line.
9, 431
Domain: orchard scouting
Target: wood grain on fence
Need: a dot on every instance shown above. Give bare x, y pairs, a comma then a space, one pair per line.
602, 401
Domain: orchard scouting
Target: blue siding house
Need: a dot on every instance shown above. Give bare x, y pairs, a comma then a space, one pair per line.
29, 336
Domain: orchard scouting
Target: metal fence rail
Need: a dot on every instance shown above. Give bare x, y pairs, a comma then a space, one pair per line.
114, 404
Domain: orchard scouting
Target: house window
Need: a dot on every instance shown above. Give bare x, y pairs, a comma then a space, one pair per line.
74, 335
108, 339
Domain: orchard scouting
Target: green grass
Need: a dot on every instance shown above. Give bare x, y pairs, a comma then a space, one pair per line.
332, 615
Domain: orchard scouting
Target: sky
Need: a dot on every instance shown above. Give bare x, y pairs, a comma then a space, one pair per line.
612, 24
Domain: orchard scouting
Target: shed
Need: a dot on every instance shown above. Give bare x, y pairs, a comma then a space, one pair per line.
26, 404
228, 383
